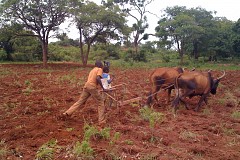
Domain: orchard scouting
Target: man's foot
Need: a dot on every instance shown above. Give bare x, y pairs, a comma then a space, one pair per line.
101, 125
63, 116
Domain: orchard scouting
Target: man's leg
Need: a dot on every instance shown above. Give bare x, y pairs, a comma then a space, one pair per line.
83, 98
101, 106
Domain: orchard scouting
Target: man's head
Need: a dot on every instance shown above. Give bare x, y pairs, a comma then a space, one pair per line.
106, 69
98, 64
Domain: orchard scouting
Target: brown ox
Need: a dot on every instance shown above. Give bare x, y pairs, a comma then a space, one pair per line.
162, 78
190, 84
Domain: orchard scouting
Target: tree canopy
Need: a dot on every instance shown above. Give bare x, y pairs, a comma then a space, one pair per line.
40, 16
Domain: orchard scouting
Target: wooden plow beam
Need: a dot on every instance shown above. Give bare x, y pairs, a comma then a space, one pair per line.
112, 94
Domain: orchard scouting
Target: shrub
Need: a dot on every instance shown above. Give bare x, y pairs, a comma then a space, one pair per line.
82, 149
25, 57
151, 116
46, 151
3, 150
3, 55
61, 53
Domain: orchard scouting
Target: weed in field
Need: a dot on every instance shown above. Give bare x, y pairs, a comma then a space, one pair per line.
128, 142
28, 83
149, 156
46, 151
3, 150
9, 106
49, 76
28, 90
89, 131
222, 101
235, 114
188, 135
234, 141
67, 79
228, 131
43, 113
153, 117
231, 100
17, 84
80, 81
116, 136
20, 126
5, 72
105, 133
69, 129
83, 150
48, 101
113, 155
207, 111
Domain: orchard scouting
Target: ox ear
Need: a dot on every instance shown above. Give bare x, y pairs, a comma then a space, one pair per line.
223, 75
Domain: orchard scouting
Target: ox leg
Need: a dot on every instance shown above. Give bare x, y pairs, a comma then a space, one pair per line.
185, 104
169, 95
203, 98
157, 88
186, 94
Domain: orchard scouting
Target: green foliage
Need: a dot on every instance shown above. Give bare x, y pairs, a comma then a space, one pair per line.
153, 117
188, 135
140, 57
61, 53
83, 149
131, 56
25, 57
128, 142
89, 131
111, 20
105, 133
3, 150
46, 151
105, 52
236, 115
3, 55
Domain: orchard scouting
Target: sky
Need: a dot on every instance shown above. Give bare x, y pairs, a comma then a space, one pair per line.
224, 8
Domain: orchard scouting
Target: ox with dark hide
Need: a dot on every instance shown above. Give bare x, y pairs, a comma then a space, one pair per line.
190, 84
162, 78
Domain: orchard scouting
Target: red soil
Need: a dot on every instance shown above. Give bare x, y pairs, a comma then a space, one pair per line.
28, 117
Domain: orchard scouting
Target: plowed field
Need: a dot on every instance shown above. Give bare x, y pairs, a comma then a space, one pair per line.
31, 98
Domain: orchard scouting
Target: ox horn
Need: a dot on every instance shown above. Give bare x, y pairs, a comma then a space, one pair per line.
193, 69
209, 70
219, 78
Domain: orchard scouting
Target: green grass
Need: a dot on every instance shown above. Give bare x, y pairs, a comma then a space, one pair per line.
155, 60
188, 135
235, 115
153, 117
3, 150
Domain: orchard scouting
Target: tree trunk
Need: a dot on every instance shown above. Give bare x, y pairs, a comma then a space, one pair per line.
195, 50
84, 57
44, 53
180, 51
136, 43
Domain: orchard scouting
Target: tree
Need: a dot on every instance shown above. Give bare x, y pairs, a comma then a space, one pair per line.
221, 42
172, 29
236, 38
189, 29
7, 35
41, 17
136, 9
107, 24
